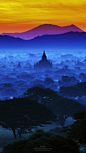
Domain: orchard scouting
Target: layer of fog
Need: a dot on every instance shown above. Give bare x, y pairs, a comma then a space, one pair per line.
17, 72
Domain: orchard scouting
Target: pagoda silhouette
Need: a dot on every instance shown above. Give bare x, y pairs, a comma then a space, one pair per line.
43, 63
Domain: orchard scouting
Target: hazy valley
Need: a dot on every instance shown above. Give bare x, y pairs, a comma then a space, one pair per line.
41, 94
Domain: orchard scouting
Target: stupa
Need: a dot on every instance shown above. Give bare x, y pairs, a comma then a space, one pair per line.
43, 63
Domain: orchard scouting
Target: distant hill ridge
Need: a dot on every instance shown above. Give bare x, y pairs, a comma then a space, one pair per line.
70, 40
44, 30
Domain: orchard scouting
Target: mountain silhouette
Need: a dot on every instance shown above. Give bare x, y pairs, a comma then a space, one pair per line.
70, 40
43, 30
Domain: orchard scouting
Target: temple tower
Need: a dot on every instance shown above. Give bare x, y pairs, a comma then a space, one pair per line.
44, 57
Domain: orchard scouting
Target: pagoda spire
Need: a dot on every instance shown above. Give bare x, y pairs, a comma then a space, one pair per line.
44, 57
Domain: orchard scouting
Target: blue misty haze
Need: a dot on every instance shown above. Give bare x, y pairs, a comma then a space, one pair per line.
17, 72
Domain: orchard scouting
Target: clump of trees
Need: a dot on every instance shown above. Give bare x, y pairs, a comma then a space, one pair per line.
48, 81
42, 141
42, 95
73, 91
38, 106
23, 114
77, 131
68, 81
59, 105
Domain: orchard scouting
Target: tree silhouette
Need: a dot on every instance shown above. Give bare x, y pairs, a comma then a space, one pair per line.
77, 130
22, 114
57, 104
41, 141
72, 91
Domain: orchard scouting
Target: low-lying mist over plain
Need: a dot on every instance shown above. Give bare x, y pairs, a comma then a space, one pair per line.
17, 72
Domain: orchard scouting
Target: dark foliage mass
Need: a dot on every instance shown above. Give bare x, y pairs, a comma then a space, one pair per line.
73, 91
77, 130
68, 81
23, 114
59, 105
44, 141
80, 115
42, 95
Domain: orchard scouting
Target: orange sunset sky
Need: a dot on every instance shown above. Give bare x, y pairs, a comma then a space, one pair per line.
23, 15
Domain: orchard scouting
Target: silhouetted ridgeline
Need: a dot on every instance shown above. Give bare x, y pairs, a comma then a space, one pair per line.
43, 30
70, 40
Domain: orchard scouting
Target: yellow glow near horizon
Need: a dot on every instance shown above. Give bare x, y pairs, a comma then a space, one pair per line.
20, 15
